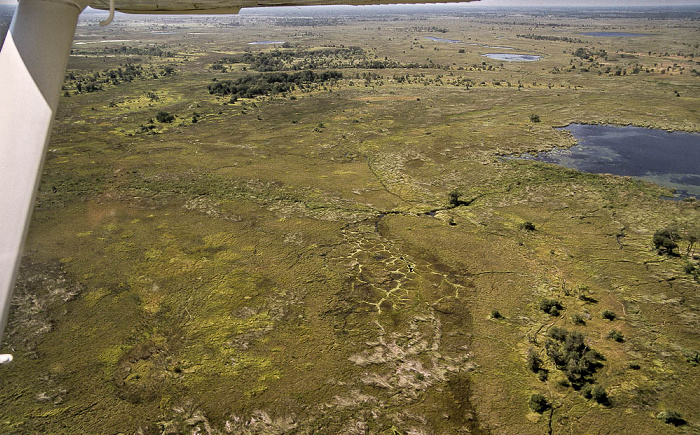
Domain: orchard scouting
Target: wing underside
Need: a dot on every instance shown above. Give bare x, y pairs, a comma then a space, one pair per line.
233, 6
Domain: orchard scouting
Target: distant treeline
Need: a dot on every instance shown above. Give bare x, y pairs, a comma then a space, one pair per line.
551, 38
95, 81
253, 85
304, 59
137, 51
124, 50
431, 29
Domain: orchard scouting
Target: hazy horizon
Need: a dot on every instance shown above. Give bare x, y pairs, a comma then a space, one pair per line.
552, 3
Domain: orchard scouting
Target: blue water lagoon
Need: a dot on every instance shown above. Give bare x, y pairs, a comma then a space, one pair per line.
512, 57
616, 34
671, 159
449, 41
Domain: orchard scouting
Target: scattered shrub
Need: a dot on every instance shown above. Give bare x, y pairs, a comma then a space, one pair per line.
453, 199
558, 334
551, 306
527, 226
634, 366
692, 269
534, 362
164, 117
692, 357
538, 403
599, 394
670, 417
616, 335
609, 315
535, 118
587, 391
586, 298
496, 314
578, 319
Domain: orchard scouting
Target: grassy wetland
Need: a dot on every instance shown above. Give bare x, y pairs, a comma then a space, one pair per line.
304, 222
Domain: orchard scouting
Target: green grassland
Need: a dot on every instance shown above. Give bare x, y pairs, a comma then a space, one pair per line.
349, 256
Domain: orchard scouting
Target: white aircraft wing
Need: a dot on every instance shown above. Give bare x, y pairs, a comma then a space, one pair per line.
233, 6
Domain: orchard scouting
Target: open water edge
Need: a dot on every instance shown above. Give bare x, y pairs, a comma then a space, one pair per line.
671, 159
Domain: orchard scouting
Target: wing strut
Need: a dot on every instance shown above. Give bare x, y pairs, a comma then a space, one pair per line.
32, 67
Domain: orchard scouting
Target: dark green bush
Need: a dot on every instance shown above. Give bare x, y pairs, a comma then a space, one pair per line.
665, 241
573, 356
550, 306
557, 333
578, 319
453, 199
496, 314
586, 298
538, 403
587, 391
608, 315
616, 335
164, 117
671, 417
534, 362
599, 394
527, 226
692, 357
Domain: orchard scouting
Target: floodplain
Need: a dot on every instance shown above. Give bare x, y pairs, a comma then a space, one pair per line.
302, 221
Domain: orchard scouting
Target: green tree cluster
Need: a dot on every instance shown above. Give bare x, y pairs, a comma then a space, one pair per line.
570, 353
252, 85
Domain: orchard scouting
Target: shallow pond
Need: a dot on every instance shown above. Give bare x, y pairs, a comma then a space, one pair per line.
450, 41
616, 34
266, 42
668, 159
511, 57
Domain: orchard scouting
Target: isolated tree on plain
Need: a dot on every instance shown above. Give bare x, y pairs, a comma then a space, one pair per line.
665, 241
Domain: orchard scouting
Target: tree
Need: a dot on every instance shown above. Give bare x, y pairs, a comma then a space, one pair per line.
453, 198
572, 355
164, 117
692, 236
534, 362
527, 226
665, 241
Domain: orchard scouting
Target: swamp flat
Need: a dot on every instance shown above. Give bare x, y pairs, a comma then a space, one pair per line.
322, 236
